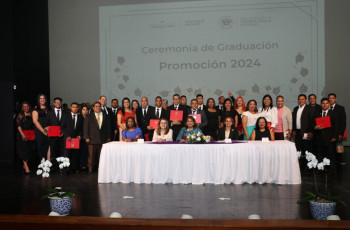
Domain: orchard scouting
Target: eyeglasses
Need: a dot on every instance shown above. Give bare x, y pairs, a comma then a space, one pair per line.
163, 123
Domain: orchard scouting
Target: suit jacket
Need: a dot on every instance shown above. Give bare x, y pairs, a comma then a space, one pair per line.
324, 136
317, 108
113, 119
233, 134
217, 108
67, 126
93, 132
143, 120
164, 113
51, 119
307, 119
204, 120
340, 115
181, 107
204, 107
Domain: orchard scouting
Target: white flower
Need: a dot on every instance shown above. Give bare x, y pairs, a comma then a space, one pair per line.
298, 154
42, 160
39, 172
41, 165
49, 164
46, 169
66, 159
61, 166
45, 174
326, 161
312, 164
320, 166
310, 156
198, 139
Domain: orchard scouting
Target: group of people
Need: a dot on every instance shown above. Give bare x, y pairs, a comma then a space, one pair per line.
231, 118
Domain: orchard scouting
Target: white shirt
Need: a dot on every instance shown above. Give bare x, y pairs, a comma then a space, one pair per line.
251, 118
325, 111
194, 111
333, 106
143, 110
160, 111
75, 119
299, 112
167, 137
60, 113
200, 107
105, 109
115, 111
270, 114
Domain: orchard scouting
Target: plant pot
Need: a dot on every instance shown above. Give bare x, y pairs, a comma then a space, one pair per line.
61, 205
320, 210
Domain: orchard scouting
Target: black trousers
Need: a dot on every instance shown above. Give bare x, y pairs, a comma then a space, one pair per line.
279, 136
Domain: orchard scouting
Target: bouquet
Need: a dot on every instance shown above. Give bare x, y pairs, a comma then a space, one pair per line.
197, 138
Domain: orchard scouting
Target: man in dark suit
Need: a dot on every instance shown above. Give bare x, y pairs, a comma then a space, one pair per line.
313, 103
143, 116
157, 112
72, 127
183, 101
54, 118
200, 100
303, 126
108, 111
220, 105
340, 116
97, 131
176, 125
115, 109
326, 138
195, 110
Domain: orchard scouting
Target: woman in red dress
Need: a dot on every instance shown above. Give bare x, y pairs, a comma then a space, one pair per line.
123, 114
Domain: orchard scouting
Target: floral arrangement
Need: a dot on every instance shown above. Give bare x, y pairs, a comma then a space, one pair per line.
314, 165
44, 166
197, 138
58, 192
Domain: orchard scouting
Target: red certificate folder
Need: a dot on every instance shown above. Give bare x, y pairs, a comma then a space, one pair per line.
154, 123
176, 115
324, 122
30, 134
345, 134
54, 131
197, 117
73, 144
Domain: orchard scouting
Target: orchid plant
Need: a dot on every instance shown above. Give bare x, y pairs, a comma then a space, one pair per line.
44, 166
314, 165
197, 138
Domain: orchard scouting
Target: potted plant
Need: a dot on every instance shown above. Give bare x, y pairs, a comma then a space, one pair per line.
322, 205
60, 200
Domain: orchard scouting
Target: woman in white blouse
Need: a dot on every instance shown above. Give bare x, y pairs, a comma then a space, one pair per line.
249, 119
163, 132
269, 112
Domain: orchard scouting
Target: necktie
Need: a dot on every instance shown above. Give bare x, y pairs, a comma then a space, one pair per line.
157, 114
193, 111
331, 107
144, 112
115, 112
200, 108
58, 115
324, 114
74, 120
176, 108
98, 120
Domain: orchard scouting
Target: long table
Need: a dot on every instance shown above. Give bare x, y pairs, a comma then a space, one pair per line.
219, 163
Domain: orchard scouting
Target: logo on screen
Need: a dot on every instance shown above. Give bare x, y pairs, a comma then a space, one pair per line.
226, 22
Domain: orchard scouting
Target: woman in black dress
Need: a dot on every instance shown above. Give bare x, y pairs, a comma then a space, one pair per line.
213, 116
229, 111
239, 106
261, 130
24, 123
39, 120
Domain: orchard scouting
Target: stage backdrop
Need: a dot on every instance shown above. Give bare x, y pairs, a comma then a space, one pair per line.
151, 47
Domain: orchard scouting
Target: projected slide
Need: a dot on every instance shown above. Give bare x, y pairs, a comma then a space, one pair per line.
249, 47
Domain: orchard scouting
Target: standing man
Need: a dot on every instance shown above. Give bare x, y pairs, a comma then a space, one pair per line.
97, 131
303, 126
220, 105
176, 125
340, 116
284, 127
200, 100
54, 118
183, 101
72, 127
326, 138
313, 103
157, 112
143, 116
108, 111
115, 109
195, 110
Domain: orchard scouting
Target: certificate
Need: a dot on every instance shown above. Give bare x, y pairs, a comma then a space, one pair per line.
324, 122
29, 134
74, 143
54, 131
176, 115
154, 123
197, 117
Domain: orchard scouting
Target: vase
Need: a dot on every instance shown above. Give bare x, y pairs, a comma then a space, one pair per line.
61, 205
320, 210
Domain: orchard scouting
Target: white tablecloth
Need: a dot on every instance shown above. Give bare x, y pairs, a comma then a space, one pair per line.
250, 162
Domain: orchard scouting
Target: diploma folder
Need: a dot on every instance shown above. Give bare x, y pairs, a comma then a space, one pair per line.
197, 117
176, 115
73, 144
324, 122
154, 123
54, 131
30, 134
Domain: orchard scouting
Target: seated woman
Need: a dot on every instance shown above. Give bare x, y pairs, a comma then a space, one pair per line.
191, 127
262, 130
228, 131
163, 132
131, 132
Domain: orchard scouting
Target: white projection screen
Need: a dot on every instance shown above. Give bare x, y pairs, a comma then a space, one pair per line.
249, 47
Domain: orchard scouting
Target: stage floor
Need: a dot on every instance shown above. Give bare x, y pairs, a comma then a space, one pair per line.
21, 194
